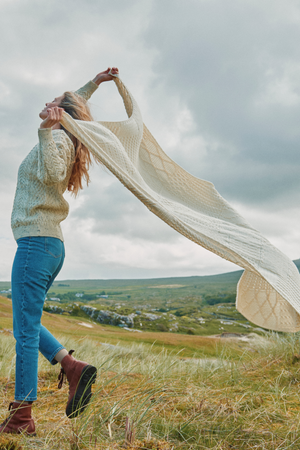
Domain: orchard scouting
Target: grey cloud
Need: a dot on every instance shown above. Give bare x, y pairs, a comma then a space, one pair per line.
114, 210
220, 58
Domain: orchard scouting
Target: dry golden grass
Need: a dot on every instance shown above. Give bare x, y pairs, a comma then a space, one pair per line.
244, 398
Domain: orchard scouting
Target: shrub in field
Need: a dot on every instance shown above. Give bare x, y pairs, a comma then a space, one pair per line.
162, 327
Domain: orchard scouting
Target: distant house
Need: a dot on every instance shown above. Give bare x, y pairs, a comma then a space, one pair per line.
54, 299
78, 294
102, 296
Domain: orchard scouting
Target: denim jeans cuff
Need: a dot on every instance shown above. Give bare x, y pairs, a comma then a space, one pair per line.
26, 399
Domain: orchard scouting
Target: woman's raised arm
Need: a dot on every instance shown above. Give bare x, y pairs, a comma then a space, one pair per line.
89, 88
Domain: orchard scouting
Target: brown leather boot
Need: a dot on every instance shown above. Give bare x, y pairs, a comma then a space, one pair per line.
80, 376
19, 420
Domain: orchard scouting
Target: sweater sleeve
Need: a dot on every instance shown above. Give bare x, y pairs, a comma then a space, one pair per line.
87, 90
54, 156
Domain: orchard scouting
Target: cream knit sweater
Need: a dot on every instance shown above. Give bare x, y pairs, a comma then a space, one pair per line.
269, 289
43, 177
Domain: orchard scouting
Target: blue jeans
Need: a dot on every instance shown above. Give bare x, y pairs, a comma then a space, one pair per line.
37, 262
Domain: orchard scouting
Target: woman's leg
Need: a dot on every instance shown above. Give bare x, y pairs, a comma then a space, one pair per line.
36, 261
80, 375
49, 346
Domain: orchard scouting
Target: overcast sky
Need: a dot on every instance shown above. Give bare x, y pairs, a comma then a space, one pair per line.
218, 84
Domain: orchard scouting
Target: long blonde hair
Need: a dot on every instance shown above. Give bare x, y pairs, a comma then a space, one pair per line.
77, 107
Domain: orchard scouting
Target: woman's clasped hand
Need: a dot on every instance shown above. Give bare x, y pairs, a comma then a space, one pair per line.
53, 116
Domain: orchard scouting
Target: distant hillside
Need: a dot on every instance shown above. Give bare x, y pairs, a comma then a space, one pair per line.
197, 305
226, 280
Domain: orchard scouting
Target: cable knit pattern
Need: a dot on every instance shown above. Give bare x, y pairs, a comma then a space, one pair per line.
39, 205
269, 290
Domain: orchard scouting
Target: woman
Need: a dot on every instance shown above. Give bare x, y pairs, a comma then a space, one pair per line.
56, 164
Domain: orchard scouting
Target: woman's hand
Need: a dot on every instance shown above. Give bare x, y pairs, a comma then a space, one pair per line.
104, 76
54, 116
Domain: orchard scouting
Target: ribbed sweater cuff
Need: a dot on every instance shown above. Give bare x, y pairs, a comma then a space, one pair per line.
45, 134
93, 85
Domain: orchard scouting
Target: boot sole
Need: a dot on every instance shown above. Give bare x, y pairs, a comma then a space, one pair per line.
83, 392
18, 432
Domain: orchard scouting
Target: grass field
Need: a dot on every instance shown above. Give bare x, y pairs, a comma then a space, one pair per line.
163, 390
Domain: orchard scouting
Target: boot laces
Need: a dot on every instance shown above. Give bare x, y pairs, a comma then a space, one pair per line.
10, 406
62, 373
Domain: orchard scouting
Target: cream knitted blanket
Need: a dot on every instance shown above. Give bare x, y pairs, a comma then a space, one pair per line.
268, 292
